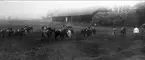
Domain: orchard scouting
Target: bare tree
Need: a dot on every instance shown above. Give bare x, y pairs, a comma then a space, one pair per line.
124, 13
98, 15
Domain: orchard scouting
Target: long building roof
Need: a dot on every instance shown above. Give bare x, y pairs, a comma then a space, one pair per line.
88, 11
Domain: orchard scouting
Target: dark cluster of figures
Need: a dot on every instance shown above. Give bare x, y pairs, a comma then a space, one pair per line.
89, 31
66, 31
49, 32
12, 32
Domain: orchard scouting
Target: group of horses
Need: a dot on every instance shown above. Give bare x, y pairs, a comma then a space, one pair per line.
89, 31
65, 32
49, 32
12, 32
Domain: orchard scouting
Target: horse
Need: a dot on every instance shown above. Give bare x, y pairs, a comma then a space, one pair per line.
86, 32
123, 31
57, 33
44, 30
93, 31
2, 33
114, 31
70, 33
47, 32
83, 32
142, 32
62, 33
9, 32
19, 32
28, 29
136, 32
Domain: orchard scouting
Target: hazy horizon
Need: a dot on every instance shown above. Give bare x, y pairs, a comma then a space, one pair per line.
37, 9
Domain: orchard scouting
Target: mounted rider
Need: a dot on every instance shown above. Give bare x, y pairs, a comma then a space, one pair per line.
71, 30
123, 31
89, 31
93, 30
114, 31
44, 30
2, 33
28, 28
142, 31
10, 32
136, 32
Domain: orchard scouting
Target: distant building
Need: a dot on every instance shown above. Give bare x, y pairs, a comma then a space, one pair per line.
73, 18
79, 17
60, 18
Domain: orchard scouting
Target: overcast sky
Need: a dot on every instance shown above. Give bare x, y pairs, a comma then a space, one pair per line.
37, 9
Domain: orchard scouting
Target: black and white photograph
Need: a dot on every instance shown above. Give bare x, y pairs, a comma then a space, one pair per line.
72, 30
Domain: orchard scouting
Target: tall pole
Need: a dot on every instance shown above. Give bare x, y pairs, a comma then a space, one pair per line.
66, 19
71, 19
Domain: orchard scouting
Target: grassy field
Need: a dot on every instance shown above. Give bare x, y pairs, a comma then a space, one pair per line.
103, 46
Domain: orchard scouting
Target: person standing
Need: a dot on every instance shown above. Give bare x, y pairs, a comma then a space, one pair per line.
123, 31
114, 31
135, 32
88, 32
142, 32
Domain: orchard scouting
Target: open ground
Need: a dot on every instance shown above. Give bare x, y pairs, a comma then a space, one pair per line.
103, 46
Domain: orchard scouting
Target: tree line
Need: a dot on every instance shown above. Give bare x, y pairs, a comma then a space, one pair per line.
125, 15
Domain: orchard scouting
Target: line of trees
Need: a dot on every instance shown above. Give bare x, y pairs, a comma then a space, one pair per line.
126, 15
